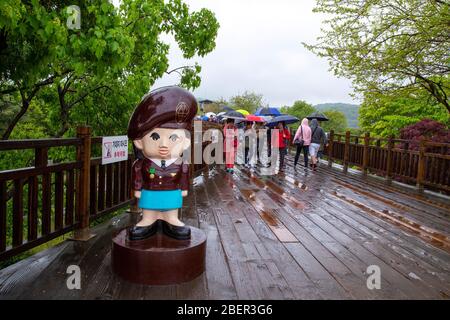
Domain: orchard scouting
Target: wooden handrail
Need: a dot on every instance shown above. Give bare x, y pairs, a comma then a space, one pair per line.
85, 188
437, 144
56, 193
427, 166
38, 143
23, 173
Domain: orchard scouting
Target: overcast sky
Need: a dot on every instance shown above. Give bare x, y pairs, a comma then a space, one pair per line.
258, 48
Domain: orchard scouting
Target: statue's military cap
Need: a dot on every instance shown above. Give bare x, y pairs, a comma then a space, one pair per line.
166, 107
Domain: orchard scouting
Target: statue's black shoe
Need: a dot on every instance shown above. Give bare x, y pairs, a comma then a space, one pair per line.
176, 232
141, 233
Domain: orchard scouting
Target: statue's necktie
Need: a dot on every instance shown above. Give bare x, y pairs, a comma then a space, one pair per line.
163, 164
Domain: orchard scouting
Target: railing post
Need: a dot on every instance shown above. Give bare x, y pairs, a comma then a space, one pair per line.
330, 149
134, 204
192, 153
389, 160
40, 161
82, 193
346, 150
421, 165
365, 163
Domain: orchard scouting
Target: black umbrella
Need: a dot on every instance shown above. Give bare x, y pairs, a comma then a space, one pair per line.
287, 119
233, 115
317, 115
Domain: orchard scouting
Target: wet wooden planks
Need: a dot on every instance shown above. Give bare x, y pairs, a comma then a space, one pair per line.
286, 236
400, 260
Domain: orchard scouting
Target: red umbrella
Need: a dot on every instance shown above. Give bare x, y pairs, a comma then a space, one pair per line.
252, 117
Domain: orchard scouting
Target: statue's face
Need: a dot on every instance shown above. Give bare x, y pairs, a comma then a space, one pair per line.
162, 143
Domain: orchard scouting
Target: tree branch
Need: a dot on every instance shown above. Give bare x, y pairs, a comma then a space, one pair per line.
45, 82
25, 105
86, 94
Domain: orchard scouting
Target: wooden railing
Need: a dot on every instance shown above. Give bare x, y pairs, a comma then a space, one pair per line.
47, 200
429, 166
40, 203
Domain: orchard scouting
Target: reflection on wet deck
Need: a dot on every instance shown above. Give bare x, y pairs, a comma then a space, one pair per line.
296, 235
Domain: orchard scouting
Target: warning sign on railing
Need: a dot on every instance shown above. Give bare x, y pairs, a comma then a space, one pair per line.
114, 149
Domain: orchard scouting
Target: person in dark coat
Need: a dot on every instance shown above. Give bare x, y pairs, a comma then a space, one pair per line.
318, 137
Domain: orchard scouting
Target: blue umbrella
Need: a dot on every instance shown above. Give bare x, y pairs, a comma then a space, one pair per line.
267, 111
287, 119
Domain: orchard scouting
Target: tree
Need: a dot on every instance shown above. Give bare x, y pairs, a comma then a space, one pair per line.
385, 115
300, 109
212, 107
428, 129
388, 46
337, 121
109, 63
249, 101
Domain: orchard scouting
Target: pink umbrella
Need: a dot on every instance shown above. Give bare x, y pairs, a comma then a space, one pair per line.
252, 117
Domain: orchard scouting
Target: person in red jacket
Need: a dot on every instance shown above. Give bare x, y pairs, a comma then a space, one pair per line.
230, 144
282, 143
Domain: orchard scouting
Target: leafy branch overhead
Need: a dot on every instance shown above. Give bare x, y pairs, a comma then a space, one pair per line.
388, 46
109, 63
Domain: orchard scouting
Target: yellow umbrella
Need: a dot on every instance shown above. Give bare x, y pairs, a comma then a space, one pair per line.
244, 112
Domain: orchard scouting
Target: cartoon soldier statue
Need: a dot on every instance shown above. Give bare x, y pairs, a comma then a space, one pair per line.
160, 179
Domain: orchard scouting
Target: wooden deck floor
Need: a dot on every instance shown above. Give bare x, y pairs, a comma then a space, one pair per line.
290, 236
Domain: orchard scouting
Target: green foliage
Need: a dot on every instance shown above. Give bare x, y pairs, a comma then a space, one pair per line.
351, 111
356, 131
190, 77
384, 115
388, 46
11, 12
53, 78
249, 101
337, 121
212, 107
300, 109
95, 75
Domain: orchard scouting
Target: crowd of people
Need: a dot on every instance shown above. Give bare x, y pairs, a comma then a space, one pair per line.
210, 118
309, 138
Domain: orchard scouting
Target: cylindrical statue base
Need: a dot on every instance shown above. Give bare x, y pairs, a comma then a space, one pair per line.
159, 260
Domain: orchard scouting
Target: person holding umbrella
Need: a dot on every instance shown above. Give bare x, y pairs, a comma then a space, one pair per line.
254, 134
230, 144
250, 141
302, 140
282, 142
283, 119
317, 137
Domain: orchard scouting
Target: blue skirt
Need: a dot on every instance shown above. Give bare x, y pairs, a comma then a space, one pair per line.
161, 200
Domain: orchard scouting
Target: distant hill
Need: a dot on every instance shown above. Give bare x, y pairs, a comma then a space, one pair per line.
350, 111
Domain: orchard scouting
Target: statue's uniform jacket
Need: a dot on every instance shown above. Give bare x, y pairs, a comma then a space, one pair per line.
160, 187
149, 176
